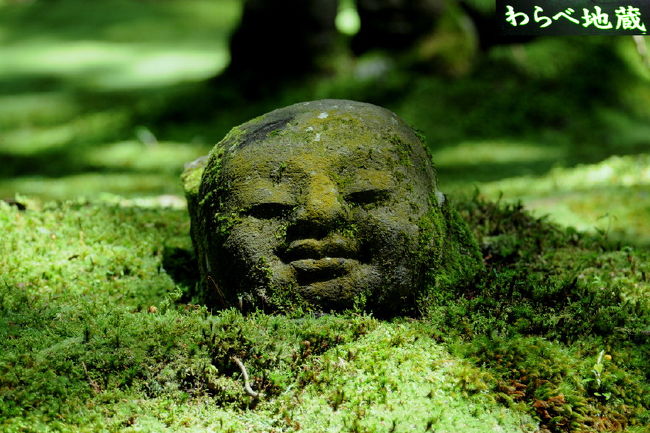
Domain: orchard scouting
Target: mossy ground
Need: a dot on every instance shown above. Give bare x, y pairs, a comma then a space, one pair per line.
97, 332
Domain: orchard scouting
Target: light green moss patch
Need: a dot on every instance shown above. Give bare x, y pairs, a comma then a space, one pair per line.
396, 379
610, 196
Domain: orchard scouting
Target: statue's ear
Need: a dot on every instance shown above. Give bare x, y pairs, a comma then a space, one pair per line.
461, 257
191, 179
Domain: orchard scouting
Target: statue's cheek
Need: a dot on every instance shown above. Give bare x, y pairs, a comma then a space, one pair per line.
384, 229
252, 239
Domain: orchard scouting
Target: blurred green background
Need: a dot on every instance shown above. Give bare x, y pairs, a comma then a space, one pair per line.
107, 99
101, 104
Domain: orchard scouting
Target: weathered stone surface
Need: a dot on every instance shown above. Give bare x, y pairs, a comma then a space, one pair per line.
324, 205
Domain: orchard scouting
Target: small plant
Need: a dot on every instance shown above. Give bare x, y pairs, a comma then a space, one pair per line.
597, 370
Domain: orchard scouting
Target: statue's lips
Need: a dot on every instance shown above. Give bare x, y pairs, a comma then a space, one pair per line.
331, 252
323, 269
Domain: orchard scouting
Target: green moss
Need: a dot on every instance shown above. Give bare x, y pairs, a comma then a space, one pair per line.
549, 301
394, 379
83, 350
225, 222
191, 178
449, 247
404, 150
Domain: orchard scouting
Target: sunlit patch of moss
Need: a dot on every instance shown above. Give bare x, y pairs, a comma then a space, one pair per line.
93, 127
132, 185
41, 108
59, 122
495, 152
611, 196
136, 156
394, 379
121, 53
48, 252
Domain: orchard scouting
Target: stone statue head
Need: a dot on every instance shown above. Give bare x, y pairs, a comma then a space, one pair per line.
328, 205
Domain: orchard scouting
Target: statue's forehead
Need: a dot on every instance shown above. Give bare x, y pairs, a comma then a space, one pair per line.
328, 137
323, 148
339, 120
273, 157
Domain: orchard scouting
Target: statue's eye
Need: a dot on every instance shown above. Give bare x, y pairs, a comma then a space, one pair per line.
367, 196
269, 210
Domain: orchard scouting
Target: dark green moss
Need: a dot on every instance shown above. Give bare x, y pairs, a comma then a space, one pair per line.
548, 302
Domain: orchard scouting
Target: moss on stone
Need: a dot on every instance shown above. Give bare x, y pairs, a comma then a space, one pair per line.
315, 171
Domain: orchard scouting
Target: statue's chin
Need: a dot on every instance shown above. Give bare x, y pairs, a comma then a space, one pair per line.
339, 286
337, 283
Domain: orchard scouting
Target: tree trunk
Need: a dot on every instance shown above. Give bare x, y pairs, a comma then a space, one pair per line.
278, 41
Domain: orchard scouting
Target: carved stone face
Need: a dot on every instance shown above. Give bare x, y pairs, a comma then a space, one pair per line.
323, 203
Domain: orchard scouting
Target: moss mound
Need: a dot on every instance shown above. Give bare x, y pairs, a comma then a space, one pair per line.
560, 319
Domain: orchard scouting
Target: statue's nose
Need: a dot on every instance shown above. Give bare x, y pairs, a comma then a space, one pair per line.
321, 202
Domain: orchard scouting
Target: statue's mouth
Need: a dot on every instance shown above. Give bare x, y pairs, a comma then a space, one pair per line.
330, 247
313, 270
321, 260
